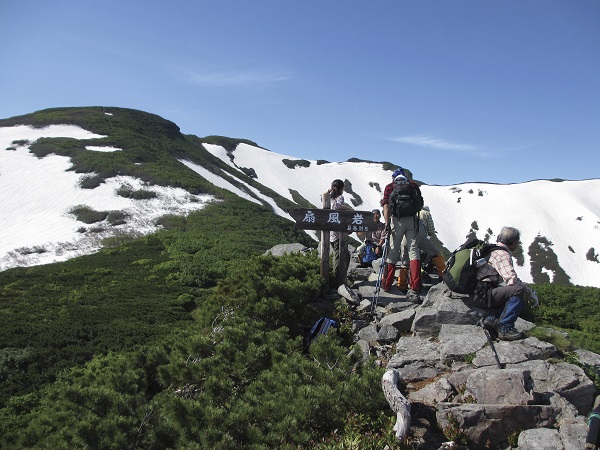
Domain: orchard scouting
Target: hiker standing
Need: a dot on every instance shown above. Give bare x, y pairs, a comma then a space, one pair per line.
426, 245
505, 289
337, 202
425, 216
425, 231
401, 202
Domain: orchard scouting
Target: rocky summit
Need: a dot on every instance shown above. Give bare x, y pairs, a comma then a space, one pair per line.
462, 389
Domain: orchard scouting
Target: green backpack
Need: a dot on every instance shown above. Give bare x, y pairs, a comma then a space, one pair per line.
461, 269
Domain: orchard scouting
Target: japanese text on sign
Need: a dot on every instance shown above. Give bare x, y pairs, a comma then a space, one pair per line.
339, 220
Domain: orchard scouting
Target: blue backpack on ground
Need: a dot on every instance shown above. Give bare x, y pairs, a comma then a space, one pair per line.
320, 327
370, 253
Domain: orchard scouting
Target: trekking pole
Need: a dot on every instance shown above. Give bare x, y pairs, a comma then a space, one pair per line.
492, 346
379, 277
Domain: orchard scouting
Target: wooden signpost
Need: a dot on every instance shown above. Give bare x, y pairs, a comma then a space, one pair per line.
348, 221
327, 220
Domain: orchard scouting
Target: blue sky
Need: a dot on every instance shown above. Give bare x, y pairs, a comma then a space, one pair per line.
504, 91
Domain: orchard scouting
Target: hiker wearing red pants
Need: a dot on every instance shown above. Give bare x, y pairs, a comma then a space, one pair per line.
401, 202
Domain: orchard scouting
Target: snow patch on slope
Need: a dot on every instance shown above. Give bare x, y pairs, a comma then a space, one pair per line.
37, 195
105, 149
311, 181
566, 213
223, 183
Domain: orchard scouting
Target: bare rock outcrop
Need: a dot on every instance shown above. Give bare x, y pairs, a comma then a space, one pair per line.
443, 361
442, 373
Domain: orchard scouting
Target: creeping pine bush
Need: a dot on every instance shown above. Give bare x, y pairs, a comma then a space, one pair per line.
127, 191
90, 181
88, 215
234, 378
117, 217
31, 250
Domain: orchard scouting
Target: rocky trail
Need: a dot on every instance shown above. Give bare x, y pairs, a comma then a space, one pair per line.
445, 384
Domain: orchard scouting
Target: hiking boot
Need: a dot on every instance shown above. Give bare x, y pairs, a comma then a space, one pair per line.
413, 297
509, 333
490, 323
403, 279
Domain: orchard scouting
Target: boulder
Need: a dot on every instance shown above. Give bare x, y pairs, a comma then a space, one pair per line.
459, 341
563, 378
433, 393
402, 320
439, 308
492, 424
515, 352
540, 439
589, 360
369, 334
283, 249
501, 386
418, 371
573, 435
349, 294
387, 333
411, 349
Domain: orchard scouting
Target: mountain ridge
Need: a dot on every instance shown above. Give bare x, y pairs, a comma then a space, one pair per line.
559, 220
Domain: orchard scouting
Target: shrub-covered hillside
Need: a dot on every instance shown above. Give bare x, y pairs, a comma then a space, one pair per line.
183, 339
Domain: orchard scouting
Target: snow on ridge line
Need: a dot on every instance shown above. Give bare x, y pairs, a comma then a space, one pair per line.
105, 149
272, 172
31, 134
576, 224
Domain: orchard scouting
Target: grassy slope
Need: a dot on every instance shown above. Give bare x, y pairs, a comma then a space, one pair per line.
62, 314
59, 315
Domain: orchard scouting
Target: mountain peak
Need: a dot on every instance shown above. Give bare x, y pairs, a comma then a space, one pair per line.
56, 159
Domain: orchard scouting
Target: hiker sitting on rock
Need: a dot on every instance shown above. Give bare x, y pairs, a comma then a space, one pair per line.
376, 237
500, 287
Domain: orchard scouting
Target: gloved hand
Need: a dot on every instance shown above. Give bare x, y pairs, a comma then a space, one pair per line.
533, 299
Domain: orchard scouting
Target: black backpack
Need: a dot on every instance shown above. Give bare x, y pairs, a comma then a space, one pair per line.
405, 199
461, 269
